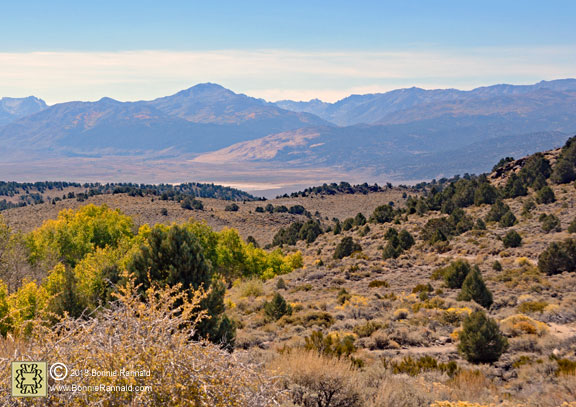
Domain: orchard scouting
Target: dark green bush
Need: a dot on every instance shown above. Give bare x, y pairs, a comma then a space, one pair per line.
545, 195
405, 239
251, 239
514, 187
383, 214
535, 171
481, 340
563, 172
437, 230
232, 208
497, 211
480, 225
392, 249
391, 233
281, 284
337, 228
485, 194
502, 163
346, 247
189, 203
527, 207
550, 223
512, 239
308, 231
359, 219
174, 255
348, 224
558, 257
297, 210
455, 274
507, 220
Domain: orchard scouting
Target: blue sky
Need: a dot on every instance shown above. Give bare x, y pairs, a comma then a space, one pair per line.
62, 50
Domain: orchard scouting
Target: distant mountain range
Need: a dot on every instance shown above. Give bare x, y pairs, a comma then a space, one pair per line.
12, 109
405, 134
407, 105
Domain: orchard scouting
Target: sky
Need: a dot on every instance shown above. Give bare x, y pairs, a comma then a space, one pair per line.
135, 50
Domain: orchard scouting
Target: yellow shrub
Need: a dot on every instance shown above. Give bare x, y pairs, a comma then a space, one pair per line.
523, 261
455, 315
455, 335
27, 305
520, 324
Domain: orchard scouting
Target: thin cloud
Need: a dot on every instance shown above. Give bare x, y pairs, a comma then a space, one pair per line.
271, 74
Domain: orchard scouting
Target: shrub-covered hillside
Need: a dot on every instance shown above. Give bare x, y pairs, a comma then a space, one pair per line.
457, 292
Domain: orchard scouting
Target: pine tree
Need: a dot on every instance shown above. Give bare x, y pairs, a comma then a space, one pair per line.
514, 187
390, 250
405, 239
558, 257
485, 194
512, 239
337, 228
173, 255
455, 273
346, 247
497, 211
390, 233
473, 288
480, 225
277, 308
480, 340
383, 214
507, 220
359, 219
563, 172
545, 195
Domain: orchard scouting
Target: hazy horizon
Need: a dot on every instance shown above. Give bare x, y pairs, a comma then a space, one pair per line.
66, 51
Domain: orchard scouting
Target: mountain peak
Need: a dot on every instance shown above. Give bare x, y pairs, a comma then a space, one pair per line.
12, 109
108, 100
205, 89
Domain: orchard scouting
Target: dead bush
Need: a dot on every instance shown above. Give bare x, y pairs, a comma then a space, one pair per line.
313, 380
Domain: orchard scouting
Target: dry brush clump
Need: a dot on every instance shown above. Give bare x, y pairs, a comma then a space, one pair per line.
315, 380
138, 332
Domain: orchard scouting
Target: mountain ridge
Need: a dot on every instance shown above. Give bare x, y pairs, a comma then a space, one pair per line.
399, 135
371, 108
12, 109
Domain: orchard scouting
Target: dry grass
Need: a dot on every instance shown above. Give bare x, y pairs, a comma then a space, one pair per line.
153, 336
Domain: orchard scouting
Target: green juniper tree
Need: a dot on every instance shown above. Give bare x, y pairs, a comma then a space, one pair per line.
474, 289
173, 255
481, 340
